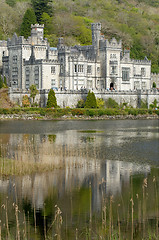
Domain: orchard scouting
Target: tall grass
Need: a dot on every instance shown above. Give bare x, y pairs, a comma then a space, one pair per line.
110, 224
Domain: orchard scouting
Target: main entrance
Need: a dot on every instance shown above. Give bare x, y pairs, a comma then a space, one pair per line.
111, 86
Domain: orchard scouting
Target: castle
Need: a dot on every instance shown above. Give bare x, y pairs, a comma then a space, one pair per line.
102, 65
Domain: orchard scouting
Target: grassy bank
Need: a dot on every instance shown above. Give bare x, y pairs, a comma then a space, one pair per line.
72, 112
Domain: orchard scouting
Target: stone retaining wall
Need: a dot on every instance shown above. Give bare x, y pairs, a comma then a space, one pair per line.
70, 98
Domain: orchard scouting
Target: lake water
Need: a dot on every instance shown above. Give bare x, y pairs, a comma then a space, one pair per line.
99, 161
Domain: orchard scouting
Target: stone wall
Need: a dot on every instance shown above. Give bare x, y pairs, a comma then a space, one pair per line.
70, 98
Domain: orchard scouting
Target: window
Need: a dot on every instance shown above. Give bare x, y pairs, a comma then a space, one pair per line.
136, 85
89, 69
125, 74
144, 85
75, 68
27, 73
113, 69
98, 69
143, 72
15, 59
61, 69
80, 68
15, 76
36, 75
112, 55
53, 83
53, 70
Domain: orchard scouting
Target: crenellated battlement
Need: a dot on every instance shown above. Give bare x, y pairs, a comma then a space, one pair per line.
22, 41
113, 43
144, 61
37, 25
64, 48
50, 61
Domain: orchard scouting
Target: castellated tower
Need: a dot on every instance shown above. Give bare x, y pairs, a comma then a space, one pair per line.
37, 32
96, 34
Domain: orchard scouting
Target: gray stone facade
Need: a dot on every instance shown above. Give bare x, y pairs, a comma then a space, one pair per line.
102, 65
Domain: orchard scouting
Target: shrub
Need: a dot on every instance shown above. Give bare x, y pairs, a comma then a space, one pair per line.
111, 103
76, 112
42, 112
91, 112
80, 104
157, 112
142, 111
90, 101
100, 103
1, 82
100, 112
154, 104
25, 101
133, 111
33, 92
5, 82
150, 111
51, 102
143, 104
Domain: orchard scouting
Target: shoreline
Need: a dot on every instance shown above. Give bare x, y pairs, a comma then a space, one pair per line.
37, 117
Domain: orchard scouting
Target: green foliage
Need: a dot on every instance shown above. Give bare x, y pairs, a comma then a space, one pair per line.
33, 92
91, 112
77, 112
144, 104
1, 82
25, 101
28, 19
154, 85
51, 102
5, 81
40, 7
136, 25
11, 3
80, 104
100, 103
154, 104
90, 101
111, 103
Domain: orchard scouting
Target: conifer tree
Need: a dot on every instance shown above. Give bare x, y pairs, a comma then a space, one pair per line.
51, 102
90, 101
28, 19
33, 92
1, 82
5, 81
41, 6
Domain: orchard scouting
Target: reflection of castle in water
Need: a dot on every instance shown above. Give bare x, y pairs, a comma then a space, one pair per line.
85, 158
42, 147
107, 178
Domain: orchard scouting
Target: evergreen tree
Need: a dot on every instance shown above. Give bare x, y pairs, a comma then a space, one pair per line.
51, 102
90, 101
28, 19
5, 81
154, 85
33, 92
40, 7
1, 82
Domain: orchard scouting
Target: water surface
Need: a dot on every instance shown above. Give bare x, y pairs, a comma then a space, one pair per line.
100, 158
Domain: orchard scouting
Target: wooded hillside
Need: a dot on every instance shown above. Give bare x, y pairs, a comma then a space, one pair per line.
136, 22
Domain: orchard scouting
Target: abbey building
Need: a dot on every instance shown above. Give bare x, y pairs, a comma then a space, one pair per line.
102, 65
